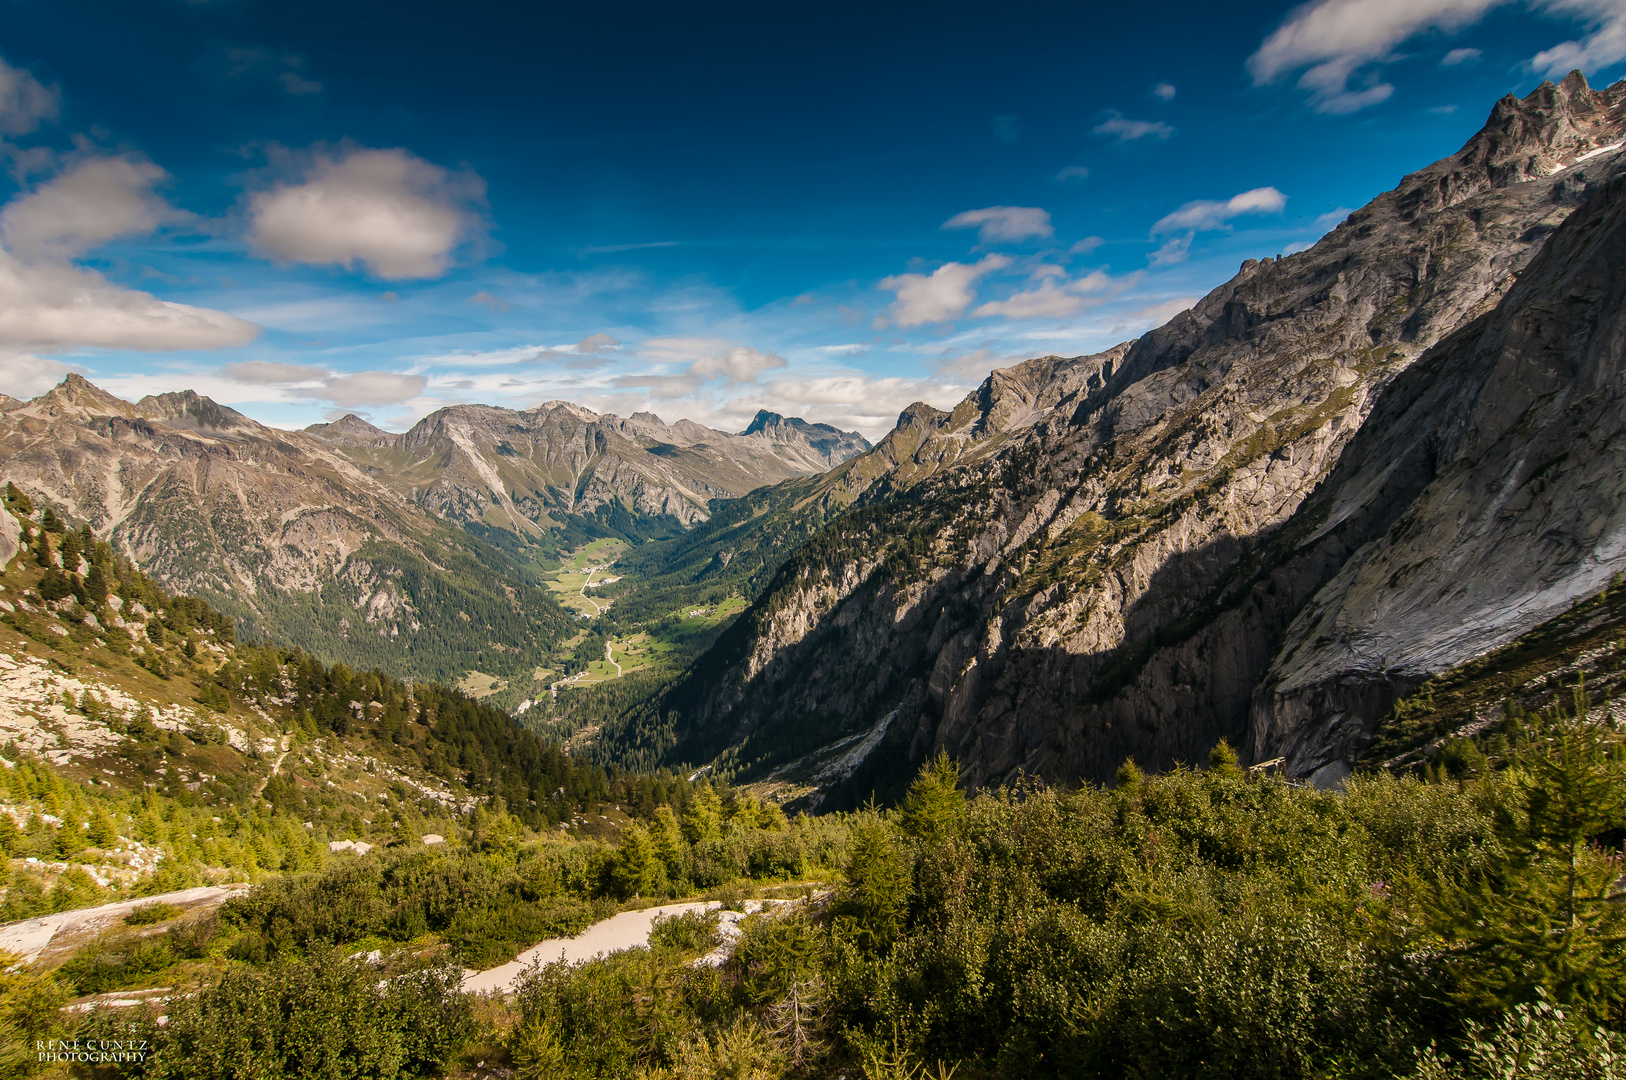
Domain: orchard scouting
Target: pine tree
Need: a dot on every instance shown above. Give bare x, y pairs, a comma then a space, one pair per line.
667, 837
636, 867
19, 498
1222, 759
1541, 915
702, 819
95, 587
875, 896
934, 806
71, 550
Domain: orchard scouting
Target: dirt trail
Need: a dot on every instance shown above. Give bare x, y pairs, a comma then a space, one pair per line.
628, 930
30, 937
260, 788
591, 570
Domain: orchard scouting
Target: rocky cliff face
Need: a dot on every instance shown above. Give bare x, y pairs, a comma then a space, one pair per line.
1101, 558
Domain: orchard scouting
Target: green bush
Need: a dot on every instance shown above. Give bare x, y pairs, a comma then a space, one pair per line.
323, 1016
147, 914
110, 964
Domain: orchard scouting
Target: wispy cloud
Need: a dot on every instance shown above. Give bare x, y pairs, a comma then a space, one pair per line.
1203, 214
25, 102
1339, 43
1126, 130
1008, 223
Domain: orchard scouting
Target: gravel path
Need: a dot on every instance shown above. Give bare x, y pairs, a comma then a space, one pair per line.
627, 930
30, 937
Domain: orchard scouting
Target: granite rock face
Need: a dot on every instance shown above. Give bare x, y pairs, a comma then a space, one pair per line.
1119, 556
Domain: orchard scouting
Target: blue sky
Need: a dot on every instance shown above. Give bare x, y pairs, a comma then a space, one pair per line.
306, 209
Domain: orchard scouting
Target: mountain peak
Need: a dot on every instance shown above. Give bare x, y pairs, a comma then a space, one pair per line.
80, 394
1549, 129
764, 420
349, 429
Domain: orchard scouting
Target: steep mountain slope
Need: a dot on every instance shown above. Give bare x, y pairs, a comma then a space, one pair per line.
367, 546
1512, 437
1061, 593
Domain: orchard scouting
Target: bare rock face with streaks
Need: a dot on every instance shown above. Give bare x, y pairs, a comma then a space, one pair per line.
1101, 558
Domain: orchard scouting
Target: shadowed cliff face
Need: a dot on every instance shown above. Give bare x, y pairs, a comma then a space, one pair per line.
1113, 574
1513, 435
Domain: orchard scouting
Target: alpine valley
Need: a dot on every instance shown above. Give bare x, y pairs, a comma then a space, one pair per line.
1241, 701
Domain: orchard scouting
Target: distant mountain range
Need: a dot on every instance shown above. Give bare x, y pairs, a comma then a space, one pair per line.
402, 551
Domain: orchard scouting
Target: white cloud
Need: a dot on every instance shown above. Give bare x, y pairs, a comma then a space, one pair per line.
389, 210
1010, 223
597, 343
371, 388
1055, 297
941, 295
1604, 45
1164, 90
1206, 214
1457, 57
1048, 301
670, 350
24, 376
94, 201
1128, 130
1173, 250
1074, 172
55, 304
739, 364
1086, 245
270, 373
1334, 41
24, 102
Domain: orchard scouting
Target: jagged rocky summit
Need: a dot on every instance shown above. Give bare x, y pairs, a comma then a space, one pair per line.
1338, 473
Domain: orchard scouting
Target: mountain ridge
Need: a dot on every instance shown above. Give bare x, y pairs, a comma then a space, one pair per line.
363, 545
